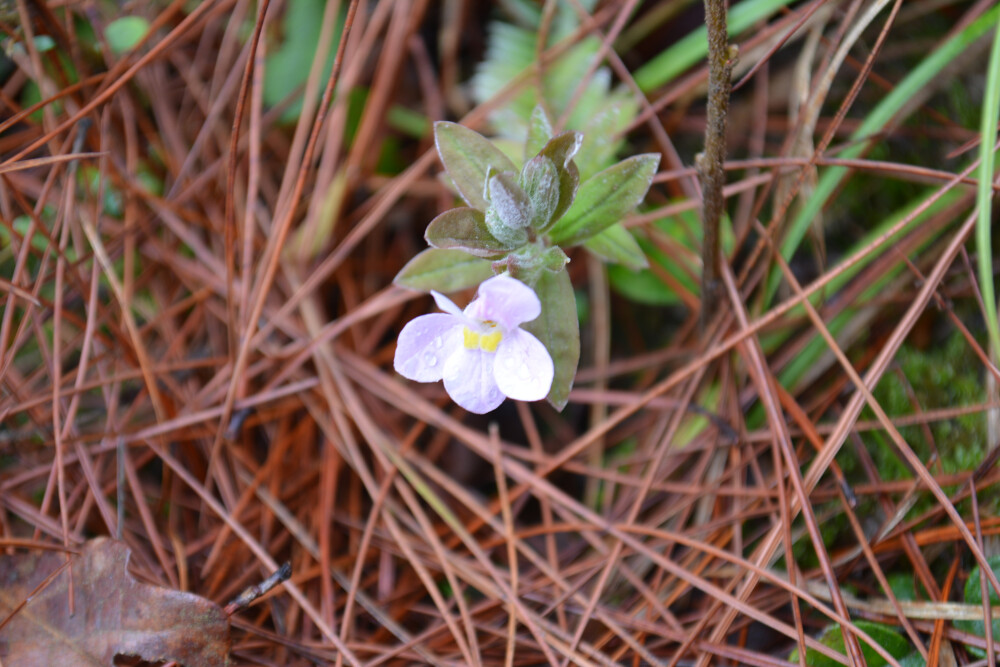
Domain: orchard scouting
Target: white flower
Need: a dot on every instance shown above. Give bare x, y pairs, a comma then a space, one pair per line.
482, 354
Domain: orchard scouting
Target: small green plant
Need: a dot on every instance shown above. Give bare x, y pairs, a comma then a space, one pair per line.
886, 636
973, 594
124, 33
518, 222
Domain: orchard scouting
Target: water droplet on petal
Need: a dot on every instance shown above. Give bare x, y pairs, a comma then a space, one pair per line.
438, 343
524, 372
509, 362
430, 359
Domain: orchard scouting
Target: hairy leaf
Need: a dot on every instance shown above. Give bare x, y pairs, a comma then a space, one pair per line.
602, 133
540, 181
563, 148
464, 229
569, 183
605, 198
539, 133
617, 245
510, 201
561, 151
114, 614
443, 270
558, 327
470, 159
509, 213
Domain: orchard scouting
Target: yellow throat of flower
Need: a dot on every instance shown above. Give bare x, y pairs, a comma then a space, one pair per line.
486, 342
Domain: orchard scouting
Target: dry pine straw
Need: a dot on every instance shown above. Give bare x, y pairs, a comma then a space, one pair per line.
203, 378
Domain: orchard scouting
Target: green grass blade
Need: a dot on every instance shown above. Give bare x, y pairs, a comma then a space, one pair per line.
694, 46
791, 375
876, 121
984, 193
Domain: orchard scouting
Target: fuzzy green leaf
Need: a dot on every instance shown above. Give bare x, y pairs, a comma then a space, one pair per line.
509, 201
605, 198
563, 148
509, 212
569, 183
558, 327
602, 135
554, 259
617, 245
464, 229
539, 133
561, 151
469, 158
443, 270
540, 181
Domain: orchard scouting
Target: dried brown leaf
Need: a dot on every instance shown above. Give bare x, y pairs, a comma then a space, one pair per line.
113, 613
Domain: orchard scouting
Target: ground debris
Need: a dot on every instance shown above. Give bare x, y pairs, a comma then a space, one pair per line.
113, 614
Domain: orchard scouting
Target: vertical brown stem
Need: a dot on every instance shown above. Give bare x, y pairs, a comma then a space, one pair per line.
720, 67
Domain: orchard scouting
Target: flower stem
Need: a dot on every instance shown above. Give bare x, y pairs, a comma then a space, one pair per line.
721, 59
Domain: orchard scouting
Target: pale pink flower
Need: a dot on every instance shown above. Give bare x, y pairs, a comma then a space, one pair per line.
481, 353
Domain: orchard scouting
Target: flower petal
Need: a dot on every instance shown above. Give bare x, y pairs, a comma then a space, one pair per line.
425, 344
446, 304
506, 301
523, 367
468, 379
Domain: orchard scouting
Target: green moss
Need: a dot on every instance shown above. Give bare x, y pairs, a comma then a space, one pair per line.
943, 376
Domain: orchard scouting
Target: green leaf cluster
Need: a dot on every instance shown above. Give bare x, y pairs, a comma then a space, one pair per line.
530, 192
519, 220
599, 112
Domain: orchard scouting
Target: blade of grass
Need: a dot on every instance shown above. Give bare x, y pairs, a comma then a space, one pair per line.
692, 48
984, 193
807, 359
875, 122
